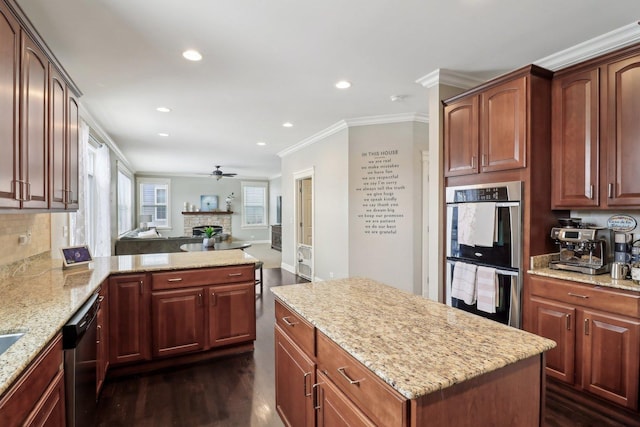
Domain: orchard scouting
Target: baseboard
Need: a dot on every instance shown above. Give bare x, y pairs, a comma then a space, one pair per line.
291, 269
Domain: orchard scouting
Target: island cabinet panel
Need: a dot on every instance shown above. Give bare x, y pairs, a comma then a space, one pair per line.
385, 406
232, 314
334, 409
129, 337
300, 331
611, 357
177, 321
295, 379
503, 126
575, 140
9, 114
461, 137
37, 397
556, 321
605, 327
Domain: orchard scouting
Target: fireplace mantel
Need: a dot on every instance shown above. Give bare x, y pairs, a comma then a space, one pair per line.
208, 213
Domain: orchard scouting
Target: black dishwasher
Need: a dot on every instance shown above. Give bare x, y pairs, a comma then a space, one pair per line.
80, 353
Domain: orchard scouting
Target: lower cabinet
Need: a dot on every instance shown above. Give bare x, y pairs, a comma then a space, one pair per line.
334, 409
598, 336
232, 314
37, 397
177, 321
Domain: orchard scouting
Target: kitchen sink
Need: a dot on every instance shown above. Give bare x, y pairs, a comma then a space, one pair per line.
6, 340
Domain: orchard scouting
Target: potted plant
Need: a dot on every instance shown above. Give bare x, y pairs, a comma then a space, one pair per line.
209, 241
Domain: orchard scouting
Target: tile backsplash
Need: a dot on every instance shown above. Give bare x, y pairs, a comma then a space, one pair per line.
12, 226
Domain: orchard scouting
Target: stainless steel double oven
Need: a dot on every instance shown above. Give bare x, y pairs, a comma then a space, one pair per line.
505, 255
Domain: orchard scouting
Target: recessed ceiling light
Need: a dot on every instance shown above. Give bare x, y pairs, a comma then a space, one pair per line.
163, 109
261, 143
287, 124
192, 55
163, 134
343, 84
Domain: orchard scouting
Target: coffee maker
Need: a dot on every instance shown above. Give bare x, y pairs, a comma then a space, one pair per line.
584, 249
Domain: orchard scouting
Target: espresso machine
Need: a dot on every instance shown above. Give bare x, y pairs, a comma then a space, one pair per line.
584, 250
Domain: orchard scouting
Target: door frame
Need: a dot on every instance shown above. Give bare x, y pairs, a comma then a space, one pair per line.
297, 177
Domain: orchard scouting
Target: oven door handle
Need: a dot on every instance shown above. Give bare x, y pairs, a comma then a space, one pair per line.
499, 271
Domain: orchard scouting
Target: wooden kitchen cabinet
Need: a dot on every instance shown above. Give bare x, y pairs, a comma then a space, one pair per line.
9, 118
335, 410
129, 337
177, 321
102, 337
37, 398
232, 314
295, 377
597, 332
575, 140
72, 158
58, 140
488, 128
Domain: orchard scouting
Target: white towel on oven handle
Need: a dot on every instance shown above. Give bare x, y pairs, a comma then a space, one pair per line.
487, 280
463, 284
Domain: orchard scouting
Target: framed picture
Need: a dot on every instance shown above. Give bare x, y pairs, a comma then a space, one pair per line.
208, 203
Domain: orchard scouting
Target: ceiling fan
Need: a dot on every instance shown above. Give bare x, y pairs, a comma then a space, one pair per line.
219, 174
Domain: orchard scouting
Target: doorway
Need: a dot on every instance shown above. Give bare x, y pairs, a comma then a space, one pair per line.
304, 224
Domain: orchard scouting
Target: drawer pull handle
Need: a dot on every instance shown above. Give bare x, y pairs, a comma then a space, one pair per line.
342, 372
235, 274
610, 190
306, 374
316, 400
288, 322
568, 322
571, 294
175, 279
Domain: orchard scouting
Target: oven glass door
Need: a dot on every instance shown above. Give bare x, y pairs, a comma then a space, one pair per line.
505, 250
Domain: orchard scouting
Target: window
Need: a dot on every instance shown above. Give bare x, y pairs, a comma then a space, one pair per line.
153, 196
124, 202
254, 204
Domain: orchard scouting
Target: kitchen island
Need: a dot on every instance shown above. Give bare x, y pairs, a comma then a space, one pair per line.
403, 360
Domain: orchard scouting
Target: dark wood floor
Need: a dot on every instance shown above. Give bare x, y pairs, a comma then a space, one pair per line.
239, 390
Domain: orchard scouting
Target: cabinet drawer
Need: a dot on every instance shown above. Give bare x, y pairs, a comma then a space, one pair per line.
381, 403
205, 276
300, 331
607, 299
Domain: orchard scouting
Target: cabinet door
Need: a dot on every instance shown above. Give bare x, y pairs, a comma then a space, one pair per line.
503, 126
610, 357
128, 318
50, 410
57, 138
177, 321
461, 137
623, 132
232, 314
102, 335
575, 140
295, 376
334, 409
73, 153
34, 169
556, 321
9, 113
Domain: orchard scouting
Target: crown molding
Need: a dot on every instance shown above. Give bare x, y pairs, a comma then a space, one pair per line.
616, 39
345, 124
450, 78
102, 136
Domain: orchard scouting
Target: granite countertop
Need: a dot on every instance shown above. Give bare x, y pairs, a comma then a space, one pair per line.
540, 267
415, 345
39, 297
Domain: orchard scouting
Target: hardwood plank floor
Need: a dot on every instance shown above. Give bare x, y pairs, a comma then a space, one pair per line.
239, 391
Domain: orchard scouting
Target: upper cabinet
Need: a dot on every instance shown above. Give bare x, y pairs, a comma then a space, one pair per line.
38, 125
595, 134
487, 129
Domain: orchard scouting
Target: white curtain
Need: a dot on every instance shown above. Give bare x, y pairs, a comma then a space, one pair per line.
102, 174
78, 221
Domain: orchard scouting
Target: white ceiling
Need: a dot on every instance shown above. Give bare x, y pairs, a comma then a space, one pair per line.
270, 61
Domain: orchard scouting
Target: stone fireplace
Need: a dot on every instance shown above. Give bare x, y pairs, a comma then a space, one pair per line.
196, 219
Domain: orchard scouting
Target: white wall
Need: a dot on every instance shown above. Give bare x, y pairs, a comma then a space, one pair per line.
275, 190
329, 158
382, 247
189, 189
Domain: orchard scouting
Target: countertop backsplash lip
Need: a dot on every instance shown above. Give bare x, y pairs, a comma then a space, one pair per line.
39, 296
380, 325
540, 267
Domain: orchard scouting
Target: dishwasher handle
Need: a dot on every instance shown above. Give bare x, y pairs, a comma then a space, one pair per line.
75, 328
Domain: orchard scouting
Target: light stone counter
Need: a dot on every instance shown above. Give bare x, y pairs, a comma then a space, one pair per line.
540, 267
415, 345
38, 297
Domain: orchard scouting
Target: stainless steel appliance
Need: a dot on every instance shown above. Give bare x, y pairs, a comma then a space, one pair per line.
584, 250
504, 254
80, 352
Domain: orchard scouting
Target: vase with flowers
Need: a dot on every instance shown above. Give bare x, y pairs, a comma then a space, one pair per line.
229, 198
